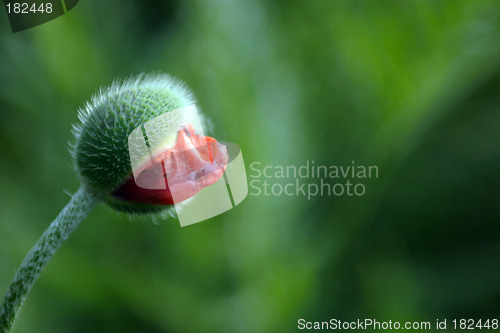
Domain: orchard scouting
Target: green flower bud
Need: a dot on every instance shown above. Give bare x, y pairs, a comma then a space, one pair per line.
149, 122
101, 151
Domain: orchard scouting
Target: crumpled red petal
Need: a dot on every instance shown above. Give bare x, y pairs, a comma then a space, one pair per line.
174, 175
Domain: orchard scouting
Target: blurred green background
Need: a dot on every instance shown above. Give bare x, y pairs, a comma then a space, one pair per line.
409, 86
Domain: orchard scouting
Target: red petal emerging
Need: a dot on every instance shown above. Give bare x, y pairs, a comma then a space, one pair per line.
172, 176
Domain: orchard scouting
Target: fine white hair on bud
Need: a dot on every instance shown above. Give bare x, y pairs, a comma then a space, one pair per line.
100, 149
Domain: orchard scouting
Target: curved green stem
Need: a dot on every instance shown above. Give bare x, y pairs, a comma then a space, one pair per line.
68, 219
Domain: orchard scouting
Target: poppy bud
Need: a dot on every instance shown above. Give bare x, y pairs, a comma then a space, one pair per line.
140, 148
171, 173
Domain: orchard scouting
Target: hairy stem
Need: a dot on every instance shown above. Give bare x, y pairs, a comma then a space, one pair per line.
68, 219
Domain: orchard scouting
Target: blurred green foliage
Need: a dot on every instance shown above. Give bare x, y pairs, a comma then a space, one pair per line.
410, 86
